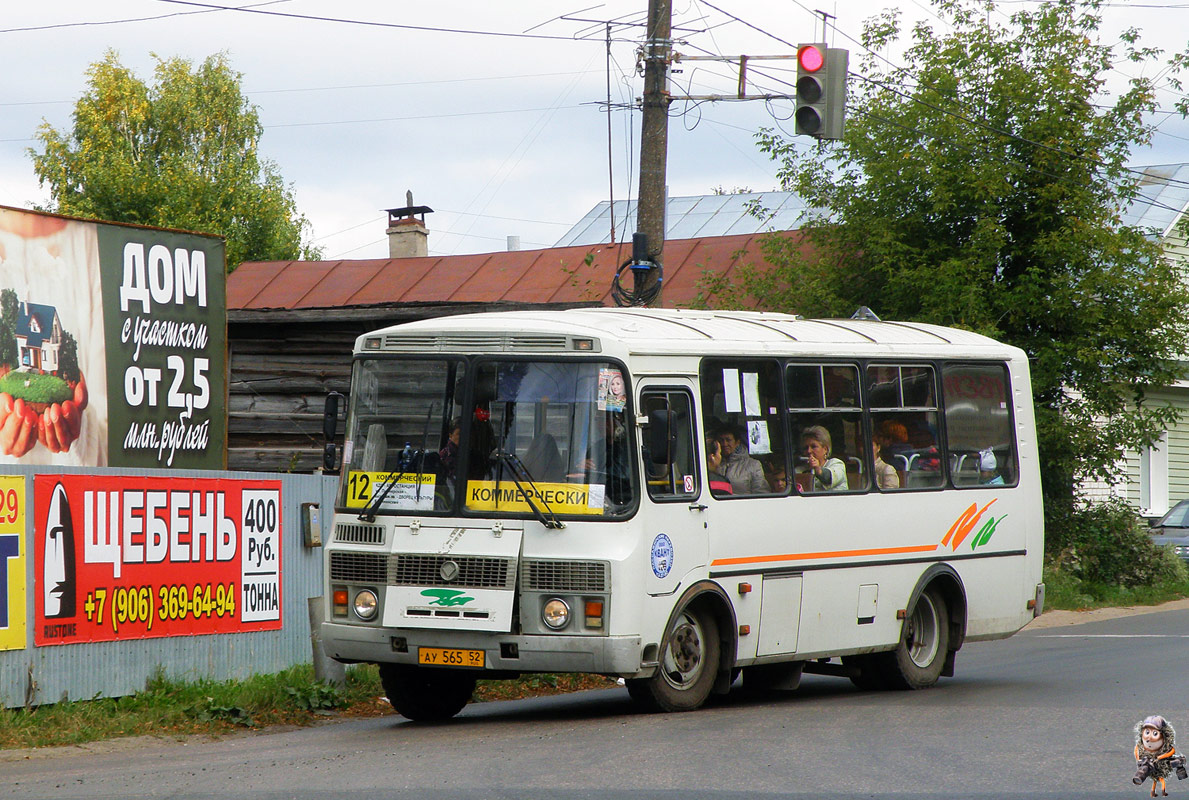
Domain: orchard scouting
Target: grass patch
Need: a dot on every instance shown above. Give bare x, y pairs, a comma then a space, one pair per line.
169, 707
173, 708
40, 388
1071, 593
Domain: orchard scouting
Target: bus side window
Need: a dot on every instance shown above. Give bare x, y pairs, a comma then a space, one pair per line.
825, 407
670, 463
741, 401
978, 425
904, 421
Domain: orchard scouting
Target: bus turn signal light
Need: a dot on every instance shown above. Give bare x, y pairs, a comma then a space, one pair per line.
594, 613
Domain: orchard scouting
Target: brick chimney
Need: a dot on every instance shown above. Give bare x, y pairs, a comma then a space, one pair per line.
407, 234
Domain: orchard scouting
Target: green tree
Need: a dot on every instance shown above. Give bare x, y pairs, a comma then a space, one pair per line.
982, 186
68, 358
9, 306
181, 153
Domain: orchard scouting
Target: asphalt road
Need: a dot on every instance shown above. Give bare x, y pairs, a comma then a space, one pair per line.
1048, 713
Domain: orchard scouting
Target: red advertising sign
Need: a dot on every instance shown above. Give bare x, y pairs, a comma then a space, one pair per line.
140, 557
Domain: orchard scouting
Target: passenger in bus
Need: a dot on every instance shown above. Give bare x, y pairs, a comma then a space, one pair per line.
606, 461
829, 474
777, 476
719, 484
448, 455
745, 473
895, 443
988, 469
885, 474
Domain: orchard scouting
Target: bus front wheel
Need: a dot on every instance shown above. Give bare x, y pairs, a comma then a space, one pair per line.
688, 665
426, 695
918, 659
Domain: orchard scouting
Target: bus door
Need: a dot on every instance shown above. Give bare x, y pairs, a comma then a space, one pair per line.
673, 519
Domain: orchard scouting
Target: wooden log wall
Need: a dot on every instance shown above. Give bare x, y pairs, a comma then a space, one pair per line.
283, 363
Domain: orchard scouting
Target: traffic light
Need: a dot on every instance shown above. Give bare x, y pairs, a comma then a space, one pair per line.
821, 90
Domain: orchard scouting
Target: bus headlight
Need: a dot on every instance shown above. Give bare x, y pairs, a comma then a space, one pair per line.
366, 604
556, 613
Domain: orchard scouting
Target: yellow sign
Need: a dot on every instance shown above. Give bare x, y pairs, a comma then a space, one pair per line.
560, 498
12, 562
409, 491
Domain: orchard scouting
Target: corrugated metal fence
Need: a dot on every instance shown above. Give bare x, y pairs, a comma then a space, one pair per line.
39, 675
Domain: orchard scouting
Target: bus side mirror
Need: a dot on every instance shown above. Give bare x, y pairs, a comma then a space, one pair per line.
330, 420
662, 436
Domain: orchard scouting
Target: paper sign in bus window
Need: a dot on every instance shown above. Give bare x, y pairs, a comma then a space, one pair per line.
751, 393
730, 388
758, 443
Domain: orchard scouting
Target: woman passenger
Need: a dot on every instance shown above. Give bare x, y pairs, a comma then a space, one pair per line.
718, 482
829, 474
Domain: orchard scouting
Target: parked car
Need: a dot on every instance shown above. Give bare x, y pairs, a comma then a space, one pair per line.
1173, 529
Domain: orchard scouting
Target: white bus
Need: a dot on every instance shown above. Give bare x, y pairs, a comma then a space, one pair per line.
529, 492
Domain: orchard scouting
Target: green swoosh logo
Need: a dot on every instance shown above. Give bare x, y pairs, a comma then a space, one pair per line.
447, 597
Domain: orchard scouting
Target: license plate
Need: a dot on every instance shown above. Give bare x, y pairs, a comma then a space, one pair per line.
448, 657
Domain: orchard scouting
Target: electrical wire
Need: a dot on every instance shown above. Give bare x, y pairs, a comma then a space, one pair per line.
374, 24
625, 298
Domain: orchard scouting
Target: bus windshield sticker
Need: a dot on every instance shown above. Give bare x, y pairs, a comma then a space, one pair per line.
412, 491
612, 394
662, 555
563, 498
751, 393
730, 388
758, 443
598, 493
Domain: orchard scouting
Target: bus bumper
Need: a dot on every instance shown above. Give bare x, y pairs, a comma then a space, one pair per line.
503, 652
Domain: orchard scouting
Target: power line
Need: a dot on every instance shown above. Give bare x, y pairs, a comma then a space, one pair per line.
416, 117
374, 24
94, 23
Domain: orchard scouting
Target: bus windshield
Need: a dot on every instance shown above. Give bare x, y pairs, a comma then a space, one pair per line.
560, 425
540, 438
401, 449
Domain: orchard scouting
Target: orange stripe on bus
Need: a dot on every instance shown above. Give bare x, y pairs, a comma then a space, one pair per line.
878, 551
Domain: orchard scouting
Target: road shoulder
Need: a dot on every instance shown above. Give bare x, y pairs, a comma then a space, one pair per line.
1052, 619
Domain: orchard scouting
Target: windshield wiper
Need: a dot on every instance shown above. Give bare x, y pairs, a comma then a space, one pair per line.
546, 518
408, 458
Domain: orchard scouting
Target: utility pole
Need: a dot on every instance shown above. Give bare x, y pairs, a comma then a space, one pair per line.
654, 144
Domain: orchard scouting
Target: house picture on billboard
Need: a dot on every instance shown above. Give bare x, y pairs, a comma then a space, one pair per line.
52, 348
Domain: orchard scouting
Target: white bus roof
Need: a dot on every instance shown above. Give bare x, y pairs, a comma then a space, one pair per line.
659, 331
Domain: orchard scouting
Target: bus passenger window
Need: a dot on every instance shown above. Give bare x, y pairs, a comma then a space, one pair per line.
741, 404
978, 425
670, 466
826, 423
904, 421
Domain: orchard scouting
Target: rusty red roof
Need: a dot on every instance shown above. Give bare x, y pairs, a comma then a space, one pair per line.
554, 275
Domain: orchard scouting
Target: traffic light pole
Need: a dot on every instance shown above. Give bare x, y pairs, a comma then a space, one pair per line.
654, 145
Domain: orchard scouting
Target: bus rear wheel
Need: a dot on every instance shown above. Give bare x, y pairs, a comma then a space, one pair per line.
426, 695
688, 665
918, 659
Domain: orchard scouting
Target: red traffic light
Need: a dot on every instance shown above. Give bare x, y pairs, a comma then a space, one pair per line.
810, 58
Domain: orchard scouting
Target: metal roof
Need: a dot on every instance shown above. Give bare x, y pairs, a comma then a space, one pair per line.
1163, 197
693, 217
555, 275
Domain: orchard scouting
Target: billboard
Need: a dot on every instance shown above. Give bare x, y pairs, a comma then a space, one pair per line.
113, 344
133, 557
12, 562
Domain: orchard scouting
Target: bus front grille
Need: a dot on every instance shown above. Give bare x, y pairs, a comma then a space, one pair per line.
474, 572
359, 534
565, 576
358, 567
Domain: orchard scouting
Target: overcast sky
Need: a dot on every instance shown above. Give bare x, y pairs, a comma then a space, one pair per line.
500, 134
